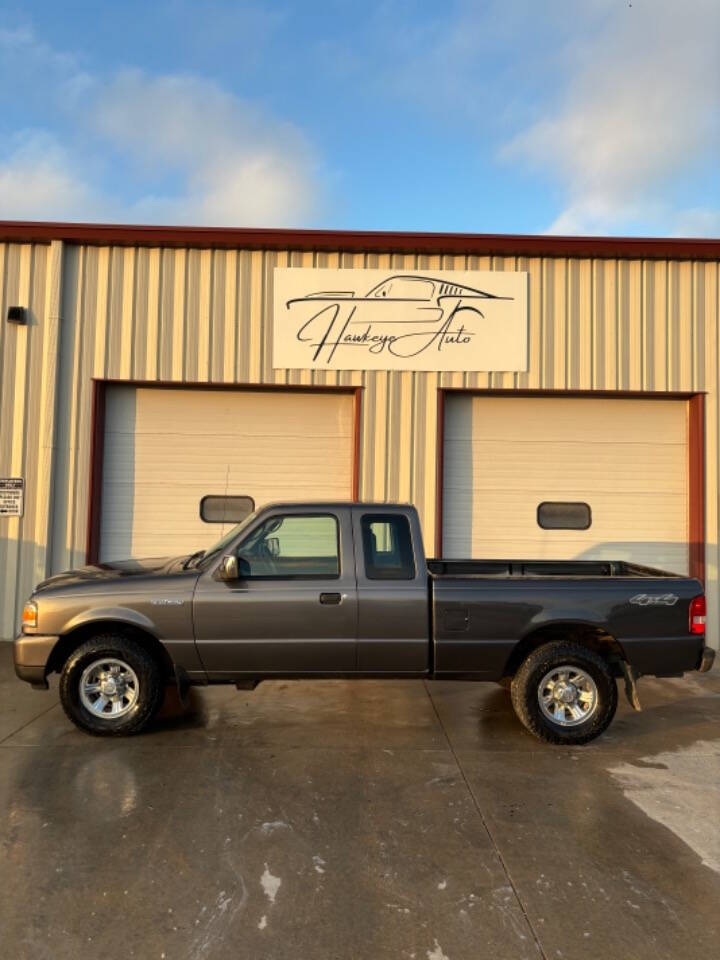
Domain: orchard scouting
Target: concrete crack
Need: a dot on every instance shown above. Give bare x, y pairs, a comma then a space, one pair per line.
487, 829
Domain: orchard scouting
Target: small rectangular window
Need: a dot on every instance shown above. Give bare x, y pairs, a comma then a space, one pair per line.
556, 515
295, 547
219, 509
387, 546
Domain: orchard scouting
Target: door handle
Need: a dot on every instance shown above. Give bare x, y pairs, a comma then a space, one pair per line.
331, 598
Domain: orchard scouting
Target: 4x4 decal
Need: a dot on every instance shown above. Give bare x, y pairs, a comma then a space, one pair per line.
654, 599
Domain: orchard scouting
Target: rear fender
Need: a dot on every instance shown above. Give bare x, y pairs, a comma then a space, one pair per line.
563, 618
582, 630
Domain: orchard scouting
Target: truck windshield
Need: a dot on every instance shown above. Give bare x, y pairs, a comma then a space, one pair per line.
221, 545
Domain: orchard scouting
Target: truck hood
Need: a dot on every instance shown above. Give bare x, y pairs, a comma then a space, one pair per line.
118, 569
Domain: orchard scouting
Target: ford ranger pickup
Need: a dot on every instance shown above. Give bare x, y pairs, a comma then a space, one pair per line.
316, 590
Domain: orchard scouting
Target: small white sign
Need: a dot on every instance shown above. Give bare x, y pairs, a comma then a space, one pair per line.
12, 496
400, 319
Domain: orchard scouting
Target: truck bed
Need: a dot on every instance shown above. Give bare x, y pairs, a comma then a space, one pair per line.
481, 608
545, 568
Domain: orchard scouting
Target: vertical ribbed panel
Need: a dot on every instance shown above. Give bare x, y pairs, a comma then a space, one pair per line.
206, 316
28, 368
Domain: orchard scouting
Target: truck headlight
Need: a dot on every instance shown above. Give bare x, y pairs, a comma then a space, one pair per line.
29, 614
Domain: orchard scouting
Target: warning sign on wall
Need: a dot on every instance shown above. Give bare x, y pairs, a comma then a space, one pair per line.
12, 496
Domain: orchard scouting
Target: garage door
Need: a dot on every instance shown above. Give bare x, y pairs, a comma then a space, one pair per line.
614, 471
167, 449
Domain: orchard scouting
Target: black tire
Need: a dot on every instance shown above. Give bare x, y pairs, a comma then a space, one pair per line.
149, 682
532, 671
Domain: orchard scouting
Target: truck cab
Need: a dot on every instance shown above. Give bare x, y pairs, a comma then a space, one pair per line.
332, 590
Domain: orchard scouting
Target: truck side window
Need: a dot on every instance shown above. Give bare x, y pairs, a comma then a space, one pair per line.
297, 547
387, 546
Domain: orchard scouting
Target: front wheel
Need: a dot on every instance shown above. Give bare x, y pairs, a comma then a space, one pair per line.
110, 686
564, 693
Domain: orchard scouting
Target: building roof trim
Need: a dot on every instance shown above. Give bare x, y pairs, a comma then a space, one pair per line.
362, 241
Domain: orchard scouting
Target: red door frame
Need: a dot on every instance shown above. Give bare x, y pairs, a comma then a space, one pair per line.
97, 435
696, 455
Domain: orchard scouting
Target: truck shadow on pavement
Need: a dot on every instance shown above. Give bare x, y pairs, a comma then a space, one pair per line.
675, 713
474, 716
173, 714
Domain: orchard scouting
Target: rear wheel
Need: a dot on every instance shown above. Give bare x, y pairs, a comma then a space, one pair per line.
110, 686
564, 693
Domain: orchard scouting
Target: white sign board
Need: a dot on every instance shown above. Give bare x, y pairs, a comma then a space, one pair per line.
400, 319
12, 496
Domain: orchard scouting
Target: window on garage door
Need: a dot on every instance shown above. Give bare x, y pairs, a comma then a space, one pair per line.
564, 516
225, 509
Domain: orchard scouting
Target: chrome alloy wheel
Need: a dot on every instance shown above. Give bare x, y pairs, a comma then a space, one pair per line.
109, 688
567, 695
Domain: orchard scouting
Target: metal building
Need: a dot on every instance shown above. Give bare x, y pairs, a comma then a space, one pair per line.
553, 397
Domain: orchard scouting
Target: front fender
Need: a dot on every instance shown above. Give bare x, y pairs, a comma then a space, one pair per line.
36, 654
126, 615
170, 628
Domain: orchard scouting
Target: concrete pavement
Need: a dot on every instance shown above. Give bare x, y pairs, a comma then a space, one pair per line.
335, 820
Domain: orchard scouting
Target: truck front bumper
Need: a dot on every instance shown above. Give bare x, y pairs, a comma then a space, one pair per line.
707, 658
31, 653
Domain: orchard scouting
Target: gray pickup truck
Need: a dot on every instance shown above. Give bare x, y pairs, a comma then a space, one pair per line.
344, 590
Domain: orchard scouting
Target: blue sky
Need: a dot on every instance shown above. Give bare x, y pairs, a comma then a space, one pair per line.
517, 116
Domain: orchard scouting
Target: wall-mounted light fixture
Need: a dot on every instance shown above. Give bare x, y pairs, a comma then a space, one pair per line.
17, 315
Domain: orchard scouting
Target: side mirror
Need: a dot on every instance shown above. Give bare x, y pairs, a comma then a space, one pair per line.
228, 569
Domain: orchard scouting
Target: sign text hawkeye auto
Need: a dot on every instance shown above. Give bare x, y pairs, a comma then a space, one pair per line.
409, 320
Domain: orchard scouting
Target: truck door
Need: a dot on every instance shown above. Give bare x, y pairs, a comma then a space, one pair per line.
393, 618
293, 609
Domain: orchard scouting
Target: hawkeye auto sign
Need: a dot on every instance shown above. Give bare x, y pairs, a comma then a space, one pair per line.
399, 320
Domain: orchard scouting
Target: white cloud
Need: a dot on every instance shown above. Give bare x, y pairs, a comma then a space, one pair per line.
638, 112
612, 103
36, 71
194, 152
237, 164
37, 182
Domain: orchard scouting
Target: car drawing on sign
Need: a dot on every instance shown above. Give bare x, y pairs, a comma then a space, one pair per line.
404, 298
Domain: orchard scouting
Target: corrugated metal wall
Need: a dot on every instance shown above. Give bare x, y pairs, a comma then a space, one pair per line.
28, 369
205, 315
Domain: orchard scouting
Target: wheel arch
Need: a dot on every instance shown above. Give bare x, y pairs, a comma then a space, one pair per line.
585, 634
75, 637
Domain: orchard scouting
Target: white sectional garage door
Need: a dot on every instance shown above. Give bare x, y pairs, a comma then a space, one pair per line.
166, 449
626, 459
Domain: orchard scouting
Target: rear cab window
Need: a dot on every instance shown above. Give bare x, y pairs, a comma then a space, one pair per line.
387, 547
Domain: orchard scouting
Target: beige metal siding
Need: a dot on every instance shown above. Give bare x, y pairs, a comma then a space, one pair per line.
166, 449
627, 459
28, 365
192, 315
